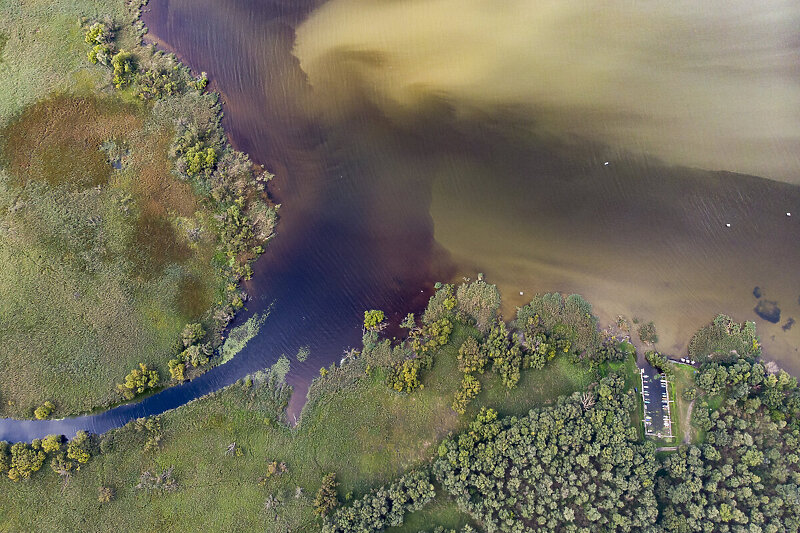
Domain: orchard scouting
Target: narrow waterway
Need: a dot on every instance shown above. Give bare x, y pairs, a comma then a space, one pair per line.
552, 148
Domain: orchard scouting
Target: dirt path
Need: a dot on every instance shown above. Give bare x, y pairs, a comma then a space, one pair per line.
687, 423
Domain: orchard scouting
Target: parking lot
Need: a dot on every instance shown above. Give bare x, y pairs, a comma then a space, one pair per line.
657, 420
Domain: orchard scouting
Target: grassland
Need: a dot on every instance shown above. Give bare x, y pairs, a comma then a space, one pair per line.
681, 420
355, 426
105, 253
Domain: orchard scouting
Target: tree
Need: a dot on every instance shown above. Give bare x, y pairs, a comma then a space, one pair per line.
373, 319
124, 68
647, 333
326, 499
408, 322
5, 457
78, 447
138, 381
52, 443
105, 494
470, 357
192, 334
44, 411
25, 460
469, 389
176, 369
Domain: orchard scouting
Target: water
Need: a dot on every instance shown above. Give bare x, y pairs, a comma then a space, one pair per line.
416, 142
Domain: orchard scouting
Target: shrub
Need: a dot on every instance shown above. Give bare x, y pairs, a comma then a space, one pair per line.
478, 301
124, 68
78, 448
52, 443
440, 305
403, 376
569, 321
105, 494
647, 333
725, 341
326, 499
5, 457
176, 369
192, 334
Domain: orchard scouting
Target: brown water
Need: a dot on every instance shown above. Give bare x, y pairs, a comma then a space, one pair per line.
416, 141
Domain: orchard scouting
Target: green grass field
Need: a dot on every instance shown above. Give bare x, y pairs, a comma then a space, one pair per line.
684, 379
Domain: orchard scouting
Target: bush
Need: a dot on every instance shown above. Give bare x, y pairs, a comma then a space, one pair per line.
440, 305
404, 376
192, 334
647, 333
52, 443
25, 460
479, 302
105, 494
78, 448
176, 370
469, 389
724, 341
124, 68
471, 358
560, 319
5, 457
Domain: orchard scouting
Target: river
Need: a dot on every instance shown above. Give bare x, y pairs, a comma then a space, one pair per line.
551, 146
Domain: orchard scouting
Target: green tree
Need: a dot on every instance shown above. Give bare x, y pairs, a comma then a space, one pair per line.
124, 68
25, 460
192, 334
44, 411
470, 357
78, 448
326, 499
52, 443
373, 319
138, 381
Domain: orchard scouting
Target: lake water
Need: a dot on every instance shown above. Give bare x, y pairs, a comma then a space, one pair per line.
549, 145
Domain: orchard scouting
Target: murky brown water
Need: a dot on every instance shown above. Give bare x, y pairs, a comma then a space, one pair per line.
420, 140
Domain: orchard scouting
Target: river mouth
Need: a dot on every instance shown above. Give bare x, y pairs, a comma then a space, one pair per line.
389, 187
382, 200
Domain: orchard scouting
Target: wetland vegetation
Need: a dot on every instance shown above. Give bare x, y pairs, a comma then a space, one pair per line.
125, 215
